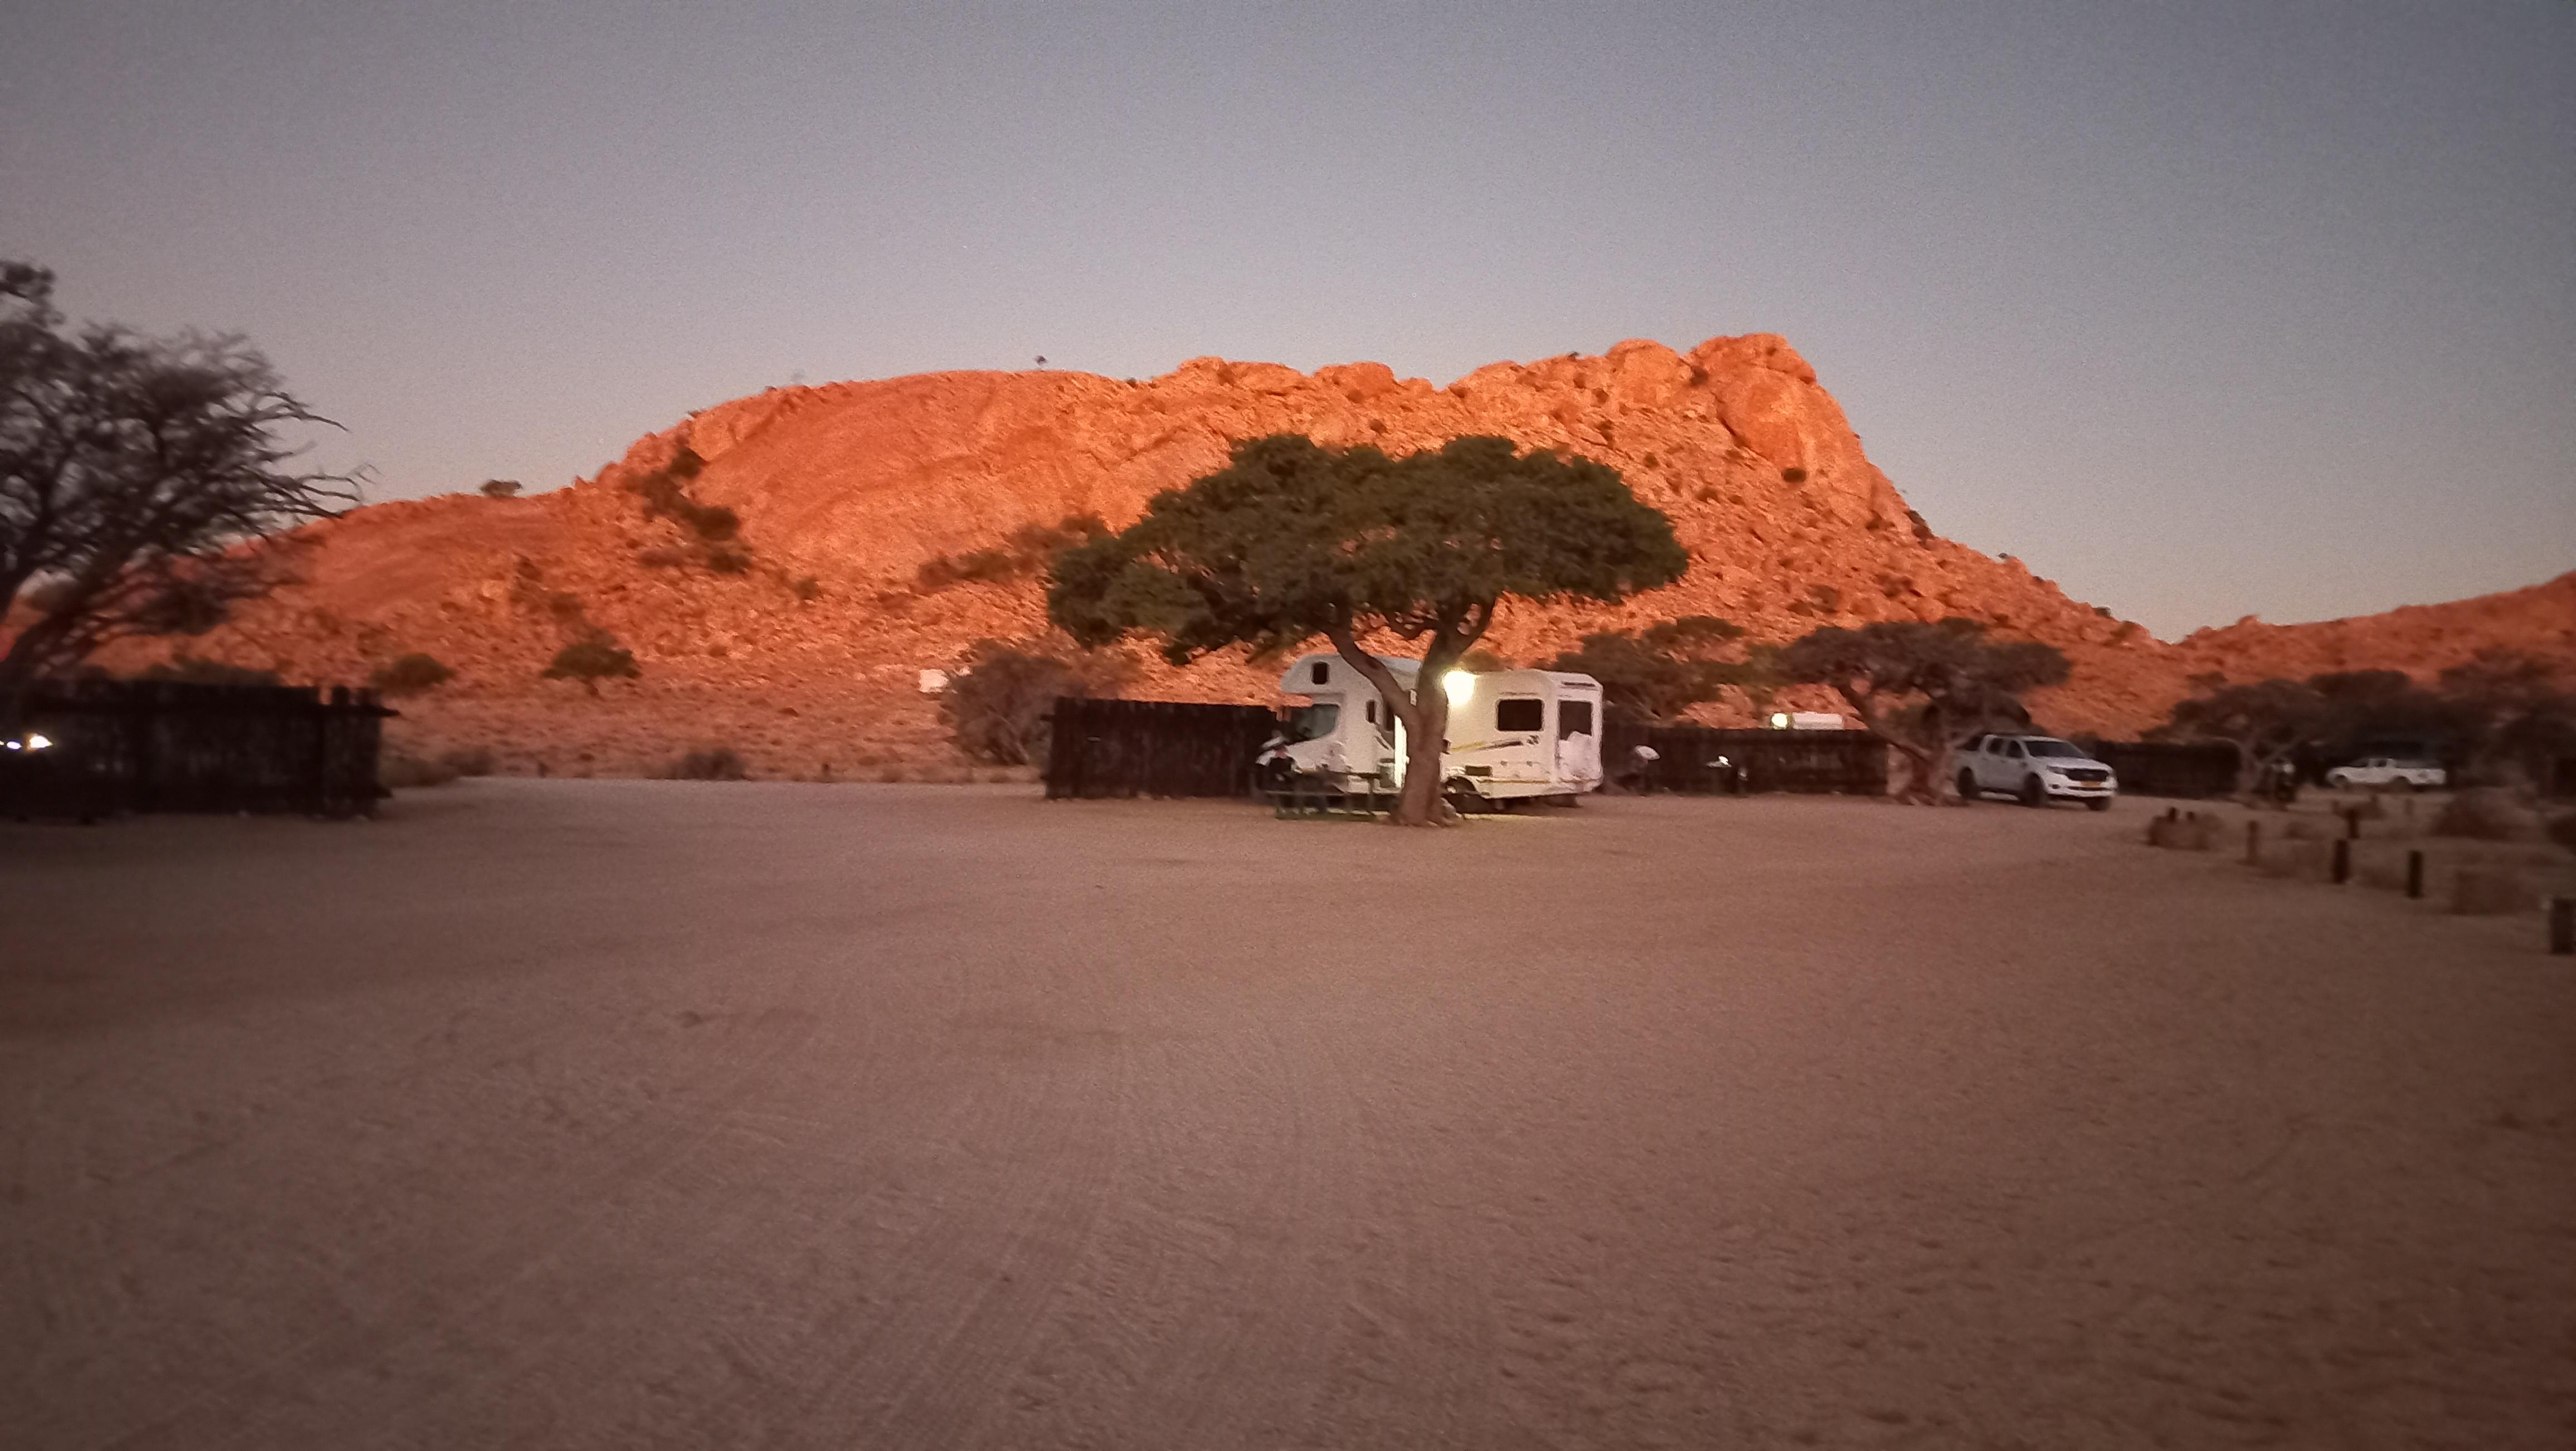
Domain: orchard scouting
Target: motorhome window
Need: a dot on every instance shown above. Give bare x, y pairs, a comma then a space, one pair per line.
1368, 711
1322, 673
1314, 722
1573, 718
1520, 713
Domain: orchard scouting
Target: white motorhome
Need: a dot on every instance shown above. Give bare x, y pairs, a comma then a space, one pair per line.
1513, 734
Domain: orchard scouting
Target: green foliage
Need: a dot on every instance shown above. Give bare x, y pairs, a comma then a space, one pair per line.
410, 674
665, 493
1920, 686
1663, 671
499, 489
2264, 720
592, 660
1291, 540
1026, 551
999, 697
189, 670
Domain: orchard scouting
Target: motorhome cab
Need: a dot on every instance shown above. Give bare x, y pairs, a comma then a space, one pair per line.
1512, 733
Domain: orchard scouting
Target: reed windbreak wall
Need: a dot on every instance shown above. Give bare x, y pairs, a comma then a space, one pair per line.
1154, 748
156, 745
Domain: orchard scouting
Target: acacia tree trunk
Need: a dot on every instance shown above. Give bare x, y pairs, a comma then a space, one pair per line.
1424, 711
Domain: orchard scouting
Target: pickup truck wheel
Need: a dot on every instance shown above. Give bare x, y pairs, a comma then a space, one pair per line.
2033, 793
1968, 786
2339, 779
2098, 803
2402, 784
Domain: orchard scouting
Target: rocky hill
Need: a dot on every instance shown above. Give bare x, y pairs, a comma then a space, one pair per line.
871, 525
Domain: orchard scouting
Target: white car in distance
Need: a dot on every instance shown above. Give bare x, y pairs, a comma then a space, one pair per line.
2389, 773
2037, 769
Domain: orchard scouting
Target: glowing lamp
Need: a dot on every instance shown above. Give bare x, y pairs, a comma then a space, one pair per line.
38, 743
1779, 720
1461, 685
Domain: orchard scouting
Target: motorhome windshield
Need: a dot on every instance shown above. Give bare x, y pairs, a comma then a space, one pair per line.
2054, 748
1313, 722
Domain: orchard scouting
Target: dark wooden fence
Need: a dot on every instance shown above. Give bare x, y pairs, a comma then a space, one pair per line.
2162, 768
1154, 748
1697, 760
159, 745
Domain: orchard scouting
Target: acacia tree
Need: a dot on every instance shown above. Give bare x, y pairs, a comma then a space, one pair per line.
1665, 669
1918, 686
2264, 720
2517, 719
142, 481
999, 697
1291, 540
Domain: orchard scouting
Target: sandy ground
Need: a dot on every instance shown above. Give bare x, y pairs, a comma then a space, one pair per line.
629, 1114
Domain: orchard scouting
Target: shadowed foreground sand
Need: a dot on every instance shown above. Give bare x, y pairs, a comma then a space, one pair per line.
630, 1114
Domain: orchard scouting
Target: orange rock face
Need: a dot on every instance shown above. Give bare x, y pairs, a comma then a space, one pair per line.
808, 660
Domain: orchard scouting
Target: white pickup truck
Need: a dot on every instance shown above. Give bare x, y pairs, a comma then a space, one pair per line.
2389, 773
2038, 769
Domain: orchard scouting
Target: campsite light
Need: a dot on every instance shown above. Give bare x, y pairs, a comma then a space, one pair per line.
1779, 720
1461, 685
37, 743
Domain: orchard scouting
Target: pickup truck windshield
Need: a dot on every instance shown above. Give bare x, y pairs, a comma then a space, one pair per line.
2053, 748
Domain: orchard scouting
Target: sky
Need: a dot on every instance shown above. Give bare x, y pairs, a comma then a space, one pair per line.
2200, 309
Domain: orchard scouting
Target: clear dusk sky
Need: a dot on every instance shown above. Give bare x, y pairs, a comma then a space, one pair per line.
2200, 308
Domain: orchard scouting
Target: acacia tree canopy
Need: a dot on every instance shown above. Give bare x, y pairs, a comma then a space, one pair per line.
1659, 672
1917, 686
1291, 540
141, 480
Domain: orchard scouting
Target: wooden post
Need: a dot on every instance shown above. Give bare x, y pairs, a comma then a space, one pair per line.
2253, 842
2352, 824
2342, 861
2415, 875
2562, 926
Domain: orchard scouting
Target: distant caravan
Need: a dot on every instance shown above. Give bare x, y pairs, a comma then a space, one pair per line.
1513, 734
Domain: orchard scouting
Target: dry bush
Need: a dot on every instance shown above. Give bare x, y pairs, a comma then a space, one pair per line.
401, 771
2187, 833
2488, 813
410, 675
999, 698
2489, 892
709, 763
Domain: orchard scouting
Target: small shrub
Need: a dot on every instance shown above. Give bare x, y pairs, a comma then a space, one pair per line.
710, 763
806, 588
714, 523
500, 488
1793, 475
1922, 531
400, 771
592, 661
2187, 833
1699, 377
410, 675
2487, 813
724, 559
999, 696
685, 464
